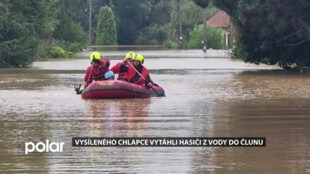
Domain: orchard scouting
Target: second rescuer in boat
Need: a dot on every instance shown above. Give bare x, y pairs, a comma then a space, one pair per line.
141, 75
123, 69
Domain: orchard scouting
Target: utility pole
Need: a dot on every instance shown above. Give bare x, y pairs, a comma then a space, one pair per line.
89, 24
180, 24
205, 44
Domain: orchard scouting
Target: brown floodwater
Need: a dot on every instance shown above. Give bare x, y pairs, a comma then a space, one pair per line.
206, 97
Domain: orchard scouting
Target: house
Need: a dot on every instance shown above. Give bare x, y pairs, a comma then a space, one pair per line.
222, 20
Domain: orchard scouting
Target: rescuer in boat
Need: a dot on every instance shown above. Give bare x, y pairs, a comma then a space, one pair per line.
141, 75
97, 69
123, 69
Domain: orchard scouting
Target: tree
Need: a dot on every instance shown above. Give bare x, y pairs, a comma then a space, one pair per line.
132, 17
214, 35
192, 15
106, 27
72, 21
96, 6
20, 27
272, 32
155, 30
202, 3
49, 18
138, 21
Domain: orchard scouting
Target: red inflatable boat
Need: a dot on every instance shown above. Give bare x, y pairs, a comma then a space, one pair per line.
109, 89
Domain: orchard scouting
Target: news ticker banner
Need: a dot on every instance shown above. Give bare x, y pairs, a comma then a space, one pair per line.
169, 142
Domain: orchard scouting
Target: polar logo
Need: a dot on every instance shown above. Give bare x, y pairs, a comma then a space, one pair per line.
44, 147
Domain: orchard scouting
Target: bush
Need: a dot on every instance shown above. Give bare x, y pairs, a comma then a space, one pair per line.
214, 37
42, 50
72, 47
75, 47
58, 52
171, 44
153, 35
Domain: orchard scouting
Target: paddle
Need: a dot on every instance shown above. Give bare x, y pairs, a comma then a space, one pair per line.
77, 89
142, 78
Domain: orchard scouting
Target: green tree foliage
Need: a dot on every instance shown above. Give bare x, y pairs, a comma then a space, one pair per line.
214, 35
271, 31
132, 17
155, 31
20, 27
106, 27
202, 3
138, 21
192, 15
69, 32
31, 29
170, 44
73, 14
48, 20
96, 6
44, 28
153, 35
58, 52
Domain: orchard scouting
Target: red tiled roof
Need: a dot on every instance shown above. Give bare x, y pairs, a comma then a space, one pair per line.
221, 19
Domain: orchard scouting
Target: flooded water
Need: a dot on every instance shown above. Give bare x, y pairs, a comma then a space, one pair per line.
206, 97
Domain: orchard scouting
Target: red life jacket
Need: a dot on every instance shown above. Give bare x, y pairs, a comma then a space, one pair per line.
93, 73
123, 71
137, 79
98, 73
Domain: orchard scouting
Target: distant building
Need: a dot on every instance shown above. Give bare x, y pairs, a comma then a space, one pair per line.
221, 20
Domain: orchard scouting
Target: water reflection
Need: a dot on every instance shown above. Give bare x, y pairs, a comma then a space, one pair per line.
113, 118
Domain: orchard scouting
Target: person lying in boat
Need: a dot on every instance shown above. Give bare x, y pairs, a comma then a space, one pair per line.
109, 75
97, 69
122, 68
141, 75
